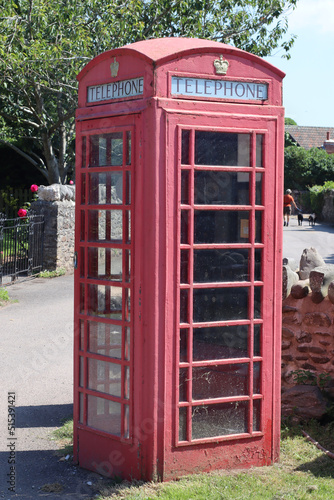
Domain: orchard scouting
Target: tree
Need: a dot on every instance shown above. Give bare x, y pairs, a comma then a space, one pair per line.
306, 168
44, 44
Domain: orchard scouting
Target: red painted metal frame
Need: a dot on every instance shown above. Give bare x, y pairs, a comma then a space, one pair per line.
153, 449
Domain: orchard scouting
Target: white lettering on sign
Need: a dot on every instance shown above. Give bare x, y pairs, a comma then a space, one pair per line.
115, 90
221, 89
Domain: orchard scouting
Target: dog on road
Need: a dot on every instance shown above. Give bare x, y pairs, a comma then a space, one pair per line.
312, 220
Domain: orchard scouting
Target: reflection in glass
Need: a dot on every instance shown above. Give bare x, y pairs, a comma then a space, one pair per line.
185, 147
126, 382
128, 188
106, 149
106, 188
105, 339
127, 343
82, 335
183, 384
127, 300
217, 265
105, 301
81, 408
127, 265
128, 226
221, 148
185, 187
219, 419
104, 415
105, 263
220, 381
81, 371
221, 226
126, 422
83, 189
182, 424
104, 377
220, 342
220, 304
105, 225
214, 187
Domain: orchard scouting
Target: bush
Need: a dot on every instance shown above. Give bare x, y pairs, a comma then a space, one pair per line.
306, 168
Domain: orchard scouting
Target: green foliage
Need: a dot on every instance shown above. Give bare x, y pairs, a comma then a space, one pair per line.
44, 45
289, 121
52, 274
306, 377
4, 297
304, 168
64, 437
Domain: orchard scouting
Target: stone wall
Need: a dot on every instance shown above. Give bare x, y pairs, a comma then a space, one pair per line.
57, 205
307, 336
328, 207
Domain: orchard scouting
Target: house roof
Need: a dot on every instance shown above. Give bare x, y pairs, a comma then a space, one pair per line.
309, 137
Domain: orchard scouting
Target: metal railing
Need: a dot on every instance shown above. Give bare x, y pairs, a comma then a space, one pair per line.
21, 246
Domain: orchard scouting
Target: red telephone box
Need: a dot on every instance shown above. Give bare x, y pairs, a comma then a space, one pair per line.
178, 240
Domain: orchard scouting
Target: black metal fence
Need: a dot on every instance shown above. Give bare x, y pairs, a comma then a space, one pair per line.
21, 246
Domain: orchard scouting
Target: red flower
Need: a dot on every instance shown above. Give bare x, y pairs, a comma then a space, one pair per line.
34, 188
71, 182
22, 212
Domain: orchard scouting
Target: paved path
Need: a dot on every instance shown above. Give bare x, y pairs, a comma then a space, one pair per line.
36, 364
297, 238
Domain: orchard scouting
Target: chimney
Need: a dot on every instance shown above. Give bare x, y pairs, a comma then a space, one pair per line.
328, 135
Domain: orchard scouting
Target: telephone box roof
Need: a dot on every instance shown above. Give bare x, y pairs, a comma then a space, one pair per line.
161, 50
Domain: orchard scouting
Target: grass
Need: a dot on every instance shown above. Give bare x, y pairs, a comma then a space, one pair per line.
303, 473
4, 297
64, 437
52, 274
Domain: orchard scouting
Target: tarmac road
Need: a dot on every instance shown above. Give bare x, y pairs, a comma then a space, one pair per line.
297, 238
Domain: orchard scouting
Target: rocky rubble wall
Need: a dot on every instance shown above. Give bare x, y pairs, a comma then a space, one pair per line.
57, 204
307, 336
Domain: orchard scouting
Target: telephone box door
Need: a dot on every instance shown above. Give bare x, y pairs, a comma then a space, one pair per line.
104, 406
224, 397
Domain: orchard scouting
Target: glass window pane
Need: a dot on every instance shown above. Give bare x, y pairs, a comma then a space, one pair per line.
258, 227
184, 316
258, 192
105, 339
185, 187
222, 226
83, 152
212, 266
127, 265
81, 262
257, 403
128, 188
257, 340
259, 150
104, 415
183, 384
82, 225
104, 377
81, 371
183, 424
221, 188
105, 225
184, 226
185, 147
106, 149
220, 381
82, 298
257, 302
81, 408
126, 382
128, 147
220, 148
127, 300
220, 419
220, 304
105, 263
184, 271
127, 343
220, 342
257, 378
106, 188
184, 332
128, 226
83, 189
126, 422
258, 265
105, 301
82, 335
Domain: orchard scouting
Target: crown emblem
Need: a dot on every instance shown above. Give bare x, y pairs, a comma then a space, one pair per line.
221, 65
114, 67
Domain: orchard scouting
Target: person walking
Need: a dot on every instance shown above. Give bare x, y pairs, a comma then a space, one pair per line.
288, 200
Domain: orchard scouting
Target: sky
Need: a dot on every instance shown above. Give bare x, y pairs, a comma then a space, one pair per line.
308, 87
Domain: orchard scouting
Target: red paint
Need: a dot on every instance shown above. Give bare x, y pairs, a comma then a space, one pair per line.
195, 279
